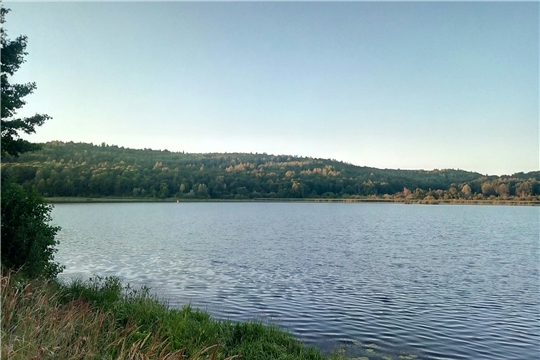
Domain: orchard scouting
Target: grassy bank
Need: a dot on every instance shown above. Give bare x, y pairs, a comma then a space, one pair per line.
102, 319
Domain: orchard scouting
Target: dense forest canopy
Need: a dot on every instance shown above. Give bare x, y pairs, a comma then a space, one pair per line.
87, 170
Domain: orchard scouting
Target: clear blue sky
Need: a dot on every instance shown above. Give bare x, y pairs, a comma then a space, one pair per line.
417, 85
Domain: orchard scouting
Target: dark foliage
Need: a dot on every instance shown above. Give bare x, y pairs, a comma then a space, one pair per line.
27, 238
86, 170
12, 57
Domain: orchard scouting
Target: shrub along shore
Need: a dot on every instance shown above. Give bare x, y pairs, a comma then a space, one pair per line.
103, 319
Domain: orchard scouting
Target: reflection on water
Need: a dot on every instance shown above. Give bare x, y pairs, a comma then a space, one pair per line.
445, 282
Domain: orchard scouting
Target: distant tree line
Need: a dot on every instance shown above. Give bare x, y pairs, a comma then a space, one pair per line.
87, 170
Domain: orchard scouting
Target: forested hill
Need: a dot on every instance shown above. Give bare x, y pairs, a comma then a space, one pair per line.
86, 170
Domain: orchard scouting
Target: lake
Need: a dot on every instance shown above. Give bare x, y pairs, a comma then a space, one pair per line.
435, 281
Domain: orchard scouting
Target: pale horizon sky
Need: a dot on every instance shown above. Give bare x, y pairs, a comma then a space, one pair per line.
410, 85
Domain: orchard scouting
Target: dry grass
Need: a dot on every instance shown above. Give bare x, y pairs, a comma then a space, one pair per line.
36, 325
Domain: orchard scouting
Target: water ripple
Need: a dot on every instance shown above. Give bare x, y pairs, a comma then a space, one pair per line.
445, 282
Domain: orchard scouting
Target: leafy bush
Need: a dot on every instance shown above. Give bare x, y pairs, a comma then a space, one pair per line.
28, 242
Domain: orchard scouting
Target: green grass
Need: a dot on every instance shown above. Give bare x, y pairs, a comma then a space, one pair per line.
103, 319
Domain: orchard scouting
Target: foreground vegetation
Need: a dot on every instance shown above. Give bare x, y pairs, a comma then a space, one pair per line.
102, 319
86, 170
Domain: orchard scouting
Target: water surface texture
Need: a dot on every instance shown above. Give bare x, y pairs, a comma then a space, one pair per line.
436, 281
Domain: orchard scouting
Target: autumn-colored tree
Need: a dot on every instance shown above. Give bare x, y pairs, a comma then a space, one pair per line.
419, 193
487, 189
523, 189
466, 190
503, 191
406, 192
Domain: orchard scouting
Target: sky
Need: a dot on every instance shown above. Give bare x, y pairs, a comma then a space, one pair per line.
409, 85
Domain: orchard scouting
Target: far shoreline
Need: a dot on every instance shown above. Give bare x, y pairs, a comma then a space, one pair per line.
85, 200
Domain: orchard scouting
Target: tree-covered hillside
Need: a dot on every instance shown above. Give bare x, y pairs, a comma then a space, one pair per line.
86, 170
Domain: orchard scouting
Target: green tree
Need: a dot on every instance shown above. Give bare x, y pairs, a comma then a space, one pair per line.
202, 190
28, 240
12, 57
163, 190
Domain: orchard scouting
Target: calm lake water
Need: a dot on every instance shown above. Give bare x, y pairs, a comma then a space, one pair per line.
436, 281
